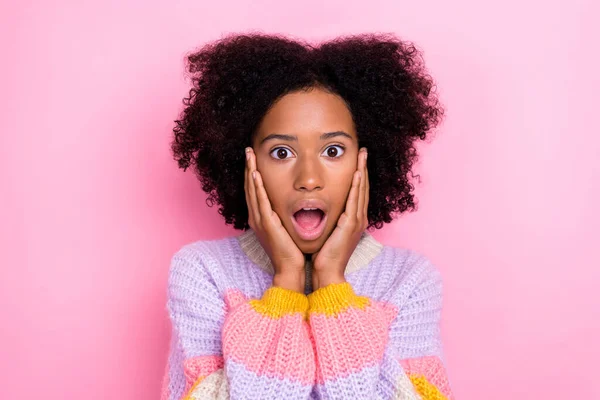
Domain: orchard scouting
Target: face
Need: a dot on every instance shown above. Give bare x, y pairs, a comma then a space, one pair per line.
306, 151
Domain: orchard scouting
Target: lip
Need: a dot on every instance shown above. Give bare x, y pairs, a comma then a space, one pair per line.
319, 229
309, 203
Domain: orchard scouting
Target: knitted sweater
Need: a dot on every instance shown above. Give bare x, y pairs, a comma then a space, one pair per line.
235, 336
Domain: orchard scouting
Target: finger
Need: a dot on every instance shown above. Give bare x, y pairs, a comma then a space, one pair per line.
251, 188
367, 187
247, 182
361, 189
352, 202
250, 216
264, 204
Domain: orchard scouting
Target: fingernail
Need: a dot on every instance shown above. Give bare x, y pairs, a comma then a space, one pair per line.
247, 155
253, 174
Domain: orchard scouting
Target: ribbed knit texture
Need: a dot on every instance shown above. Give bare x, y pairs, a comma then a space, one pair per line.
235, 336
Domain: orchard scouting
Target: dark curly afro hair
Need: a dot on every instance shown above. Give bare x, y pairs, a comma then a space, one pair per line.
237, 78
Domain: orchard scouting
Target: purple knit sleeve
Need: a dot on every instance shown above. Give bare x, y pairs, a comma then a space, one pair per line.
378, 349
231, 346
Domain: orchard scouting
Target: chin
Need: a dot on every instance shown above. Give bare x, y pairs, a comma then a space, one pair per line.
311, 247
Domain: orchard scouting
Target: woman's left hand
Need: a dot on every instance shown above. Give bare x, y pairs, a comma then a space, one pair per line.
329, 263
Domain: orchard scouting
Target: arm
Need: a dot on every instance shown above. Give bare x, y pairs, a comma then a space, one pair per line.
374, 350
415, 339
231, 347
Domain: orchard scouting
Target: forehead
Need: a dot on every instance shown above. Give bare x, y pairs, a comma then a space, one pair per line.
307, 113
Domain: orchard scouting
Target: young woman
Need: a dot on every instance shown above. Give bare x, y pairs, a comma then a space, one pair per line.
304, 148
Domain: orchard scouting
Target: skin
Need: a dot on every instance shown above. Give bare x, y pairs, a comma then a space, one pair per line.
306, 147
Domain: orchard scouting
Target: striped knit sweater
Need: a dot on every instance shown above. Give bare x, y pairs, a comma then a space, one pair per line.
235, 336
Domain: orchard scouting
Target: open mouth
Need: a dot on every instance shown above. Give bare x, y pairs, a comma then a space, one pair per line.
309, 222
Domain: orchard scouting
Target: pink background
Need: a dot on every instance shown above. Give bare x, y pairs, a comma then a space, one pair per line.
93, 207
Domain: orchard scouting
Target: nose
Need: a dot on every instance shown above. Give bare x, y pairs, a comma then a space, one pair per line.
308, 174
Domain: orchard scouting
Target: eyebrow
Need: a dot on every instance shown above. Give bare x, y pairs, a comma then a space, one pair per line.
292, 138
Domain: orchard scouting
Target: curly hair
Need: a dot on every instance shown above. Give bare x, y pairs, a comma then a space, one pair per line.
237, 79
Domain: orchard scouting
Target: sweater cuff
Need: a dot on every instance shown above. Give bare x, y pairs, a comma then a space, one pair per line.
334, 299
277, 302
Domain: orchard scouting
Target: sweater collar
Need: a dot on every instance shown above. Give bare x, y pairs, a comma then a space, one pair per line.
366, 250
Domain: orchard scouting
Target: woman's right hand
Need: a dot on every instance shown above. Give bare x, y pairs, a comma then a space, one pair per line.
286, 257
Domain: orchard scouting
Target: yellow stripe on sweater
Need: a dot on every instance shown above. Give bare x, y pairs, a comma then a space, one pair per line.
425, 389
278, 302
199, 380
335, 298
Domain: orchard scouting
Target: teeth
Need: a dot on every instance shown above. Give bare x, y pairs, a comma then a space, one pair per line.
309, 209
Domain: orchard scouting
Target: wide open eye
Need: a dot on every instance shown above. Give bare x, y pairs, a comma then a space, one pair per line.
281, 153
334, 151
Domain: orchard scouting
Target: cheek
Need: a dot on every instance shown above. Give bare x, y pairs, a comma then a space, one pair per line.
341, 188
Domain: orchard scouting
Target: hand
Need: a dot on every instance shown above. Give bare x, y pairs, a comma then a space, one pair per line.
330, 262
286, 257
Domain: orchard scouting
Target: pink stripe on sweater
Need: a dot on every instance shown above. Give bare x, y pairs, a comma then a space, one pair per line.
430, 367
351, 340
201, 366
278, 348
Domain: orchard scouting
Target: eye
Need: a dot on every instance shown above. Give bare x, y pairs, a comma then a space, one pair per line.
280, 153
334, 151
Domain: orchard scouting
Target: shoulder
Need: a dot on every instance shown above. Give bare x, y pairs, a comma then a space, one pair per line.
415, 267
407, 274
206, 251
215, 267
196, 265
